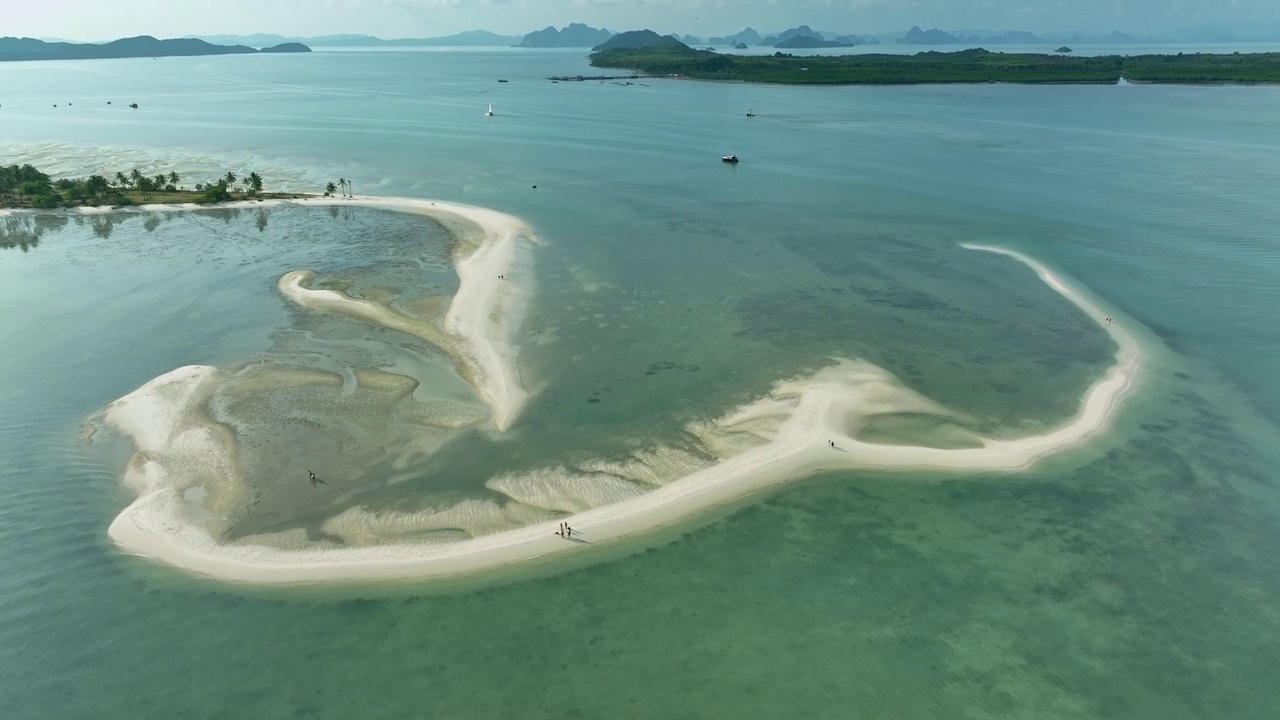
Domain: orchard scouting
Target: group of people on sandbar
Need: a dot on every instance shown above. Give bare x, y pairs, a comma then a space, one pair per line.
565, 531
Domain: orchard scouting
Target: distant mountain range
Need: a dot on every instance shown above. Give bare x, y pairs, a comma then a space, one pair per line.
470, 38
799, 36
804, 36
572, 35
934, 36
809, 41
585, 36
12, 48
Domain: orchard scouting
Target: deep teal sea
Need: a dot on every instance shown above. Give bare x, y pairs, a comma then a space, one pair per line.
1133, 577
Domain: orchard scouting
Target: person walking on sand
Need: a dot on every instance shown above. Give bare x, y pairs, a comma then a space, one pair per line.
314, 480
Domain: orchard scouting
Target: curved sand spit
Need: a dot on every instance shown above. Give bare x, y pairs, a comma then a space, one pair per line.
800, 420
481, 318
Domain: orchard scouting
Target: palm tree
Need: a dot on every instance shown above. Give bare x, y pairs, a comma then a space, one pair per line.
255, 180
330, 189
244, 184
121, 180
230, 177
136, 178
96, 185
342, 182
174, 179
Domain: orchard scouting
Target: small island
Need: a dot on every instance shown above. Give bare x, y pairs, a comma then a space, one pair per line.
641, 39
289, 47
12, 48
572, 35
27, 187
801, 42
672, 58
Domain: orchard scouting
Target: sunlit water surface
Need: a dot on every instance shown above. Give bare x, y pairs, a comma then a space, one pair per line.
1134, 577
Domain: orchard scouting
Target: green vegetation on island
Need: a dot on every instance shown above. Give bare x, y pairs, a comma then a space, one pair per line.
635, 39
343, 186
1204, 68
966, 66
26, 187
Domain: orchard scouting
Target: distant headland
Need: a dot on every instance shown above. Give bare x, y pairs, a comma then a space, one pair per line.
667, 57
572, 35
12, 48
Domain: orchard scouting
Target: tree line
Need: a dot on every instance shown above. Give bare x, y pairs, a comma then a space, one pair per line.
966, 66
220, 189
343, 184
27, 186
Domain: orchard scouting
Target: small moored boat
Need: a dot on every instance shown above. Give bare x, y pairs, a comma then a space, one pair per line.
729, 158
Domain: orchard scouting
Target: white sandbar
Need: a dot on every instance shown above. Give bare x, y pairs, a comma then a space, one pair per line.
807, 414
481, 318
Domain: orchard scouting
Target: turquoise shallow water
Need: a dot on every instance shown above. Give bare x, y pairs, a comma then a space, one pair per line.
1132, 578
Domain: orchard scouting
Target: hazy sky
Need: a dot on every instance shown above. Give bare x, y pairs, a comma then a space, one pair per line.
107, 19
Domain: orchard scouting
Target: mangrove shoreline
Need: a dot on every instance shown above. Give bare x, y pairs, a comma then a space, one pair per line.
965, 66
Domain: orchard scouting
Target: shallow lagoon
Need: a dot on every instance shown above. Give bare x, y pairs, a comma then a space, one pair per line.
403, 446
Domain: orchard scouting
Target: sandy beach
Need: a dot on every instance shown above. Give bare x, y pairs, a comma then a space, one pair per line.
809, 426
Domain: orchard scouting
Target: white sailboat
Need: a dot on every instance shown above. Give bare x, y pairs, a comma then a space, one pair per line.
489, 112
